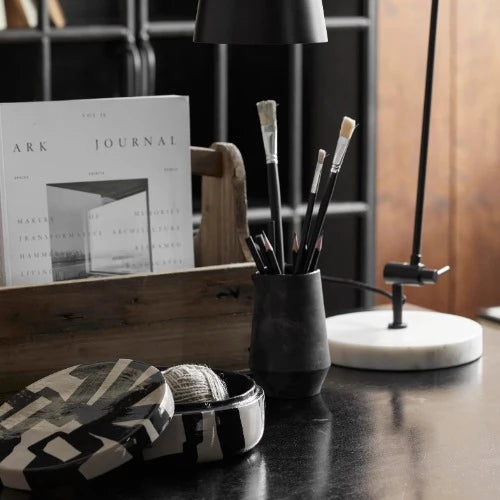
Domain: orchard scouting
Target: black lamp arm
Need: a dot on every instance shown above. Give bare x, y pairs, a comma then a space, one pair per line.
424, 142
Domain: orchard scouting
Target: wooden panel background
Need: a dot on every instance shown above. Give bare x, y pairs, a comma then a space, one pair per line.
477, 155
462, 203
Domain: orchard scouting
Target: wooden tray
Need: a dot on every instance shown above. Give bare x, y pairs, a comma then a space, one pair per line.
200, 315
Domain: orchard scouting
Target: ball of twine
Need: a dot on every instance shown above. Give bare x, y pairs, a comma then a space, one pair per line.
195, 383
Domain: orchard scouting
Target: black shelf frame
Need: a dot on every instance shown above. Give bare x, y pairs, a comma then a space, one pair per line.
44, 35
136, 32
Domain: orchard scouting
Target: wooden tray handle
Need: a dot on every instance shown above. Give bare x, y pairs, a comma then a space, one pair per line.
224, 225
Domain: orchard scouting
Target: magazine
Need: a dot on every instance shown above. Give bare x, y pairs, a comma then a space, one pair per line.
94, 188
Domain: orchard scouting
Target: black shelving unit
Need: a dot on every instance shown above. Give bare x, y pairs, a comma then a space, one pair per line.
315, 86
44, 37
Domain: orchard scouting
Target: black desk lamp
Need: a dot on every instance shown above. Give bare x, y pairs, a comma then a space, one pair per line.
261, 22
427, 340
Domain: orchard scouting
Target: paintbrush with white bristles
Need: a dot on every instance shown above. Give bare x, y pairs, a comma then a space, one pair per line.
269, 127
346, 131
311, 200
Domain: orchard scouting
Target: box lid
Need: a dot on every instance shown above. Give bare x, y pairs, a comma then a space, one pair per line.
81, 422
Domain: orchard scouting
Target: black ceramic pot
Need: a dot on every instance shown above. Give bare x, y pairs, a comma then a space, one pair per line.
289, 354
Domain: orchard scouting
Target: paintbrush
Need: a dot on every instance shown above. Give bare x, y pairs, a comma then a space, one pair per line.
346, 131
269, 127
306, 226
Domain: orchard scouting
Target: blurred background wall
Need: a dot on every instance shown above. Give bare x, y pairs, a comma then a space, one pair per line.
462, 206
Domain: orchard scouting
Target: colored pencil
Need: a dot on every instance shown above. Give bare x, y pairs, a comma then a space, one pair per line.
256, 255
269, 250
295, 250
317, 251
261, 246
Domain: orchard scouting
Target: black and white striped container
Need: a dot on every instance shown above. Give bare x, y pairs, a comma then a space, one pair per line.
206, 432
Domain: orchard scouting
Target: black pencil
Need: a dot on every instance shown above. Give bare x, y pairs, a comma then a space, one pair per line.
273, 262
256, 255
317, 251
261, 246
271, 231
306, 226
346, 131
269, 127
295, 250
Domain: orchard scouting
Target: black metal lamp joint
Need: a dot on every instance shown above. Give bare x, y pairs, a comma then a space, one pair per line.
399, 274
403, 273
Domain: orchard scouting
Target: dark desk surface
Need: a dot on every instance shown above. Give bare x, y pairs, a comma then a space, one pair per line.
373, 435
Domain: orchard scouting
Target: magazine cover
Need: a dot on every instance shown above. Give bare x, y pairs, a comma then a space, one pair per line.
94, 188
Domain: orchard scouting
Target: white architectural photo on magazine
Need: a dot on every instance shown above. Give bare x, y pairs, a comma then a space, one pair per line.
94, 188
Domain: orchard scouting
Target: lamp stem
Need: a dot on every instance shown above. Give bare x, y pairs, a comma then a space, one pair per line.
424, 143
398, 300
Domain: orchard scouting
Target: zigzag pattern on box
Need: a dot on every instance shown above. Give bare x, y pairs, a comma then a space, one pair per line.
81, 422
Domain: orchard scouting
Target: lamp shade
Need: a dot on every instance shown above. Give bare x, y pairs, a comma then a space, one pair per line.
260, 22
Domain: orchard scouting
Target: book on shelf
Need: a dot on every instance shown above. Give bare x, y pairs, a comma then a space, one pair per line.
3, 16
95, 187
21, 13
56, 14
24, 13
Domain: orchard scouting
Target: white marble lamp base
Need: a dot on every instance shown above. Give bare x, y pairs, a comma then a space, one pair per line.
430, 340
